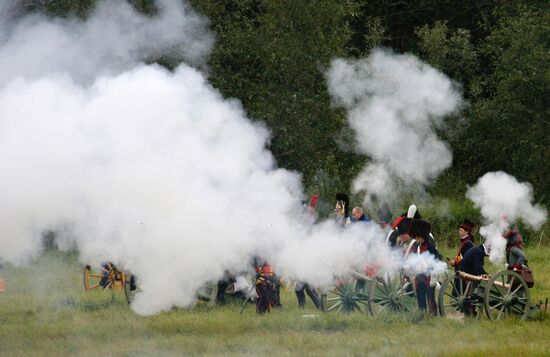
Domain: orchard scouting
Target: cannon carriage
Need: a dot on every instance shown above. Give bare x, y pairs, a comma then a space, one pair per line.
372, 294
500, 295
103, 276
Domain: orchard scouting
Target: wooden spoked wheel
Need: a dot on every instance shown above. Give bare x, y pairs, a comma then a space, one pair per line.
456, 297
102, 276
507, 294
391, 294
349, 296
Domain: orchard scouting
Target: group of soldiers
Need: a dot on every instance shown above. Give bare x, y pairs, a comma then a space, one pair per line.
409, 233
413, 235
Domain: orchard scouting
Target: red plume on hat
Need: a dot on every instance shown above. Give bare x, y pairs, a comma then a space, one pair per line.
467, 225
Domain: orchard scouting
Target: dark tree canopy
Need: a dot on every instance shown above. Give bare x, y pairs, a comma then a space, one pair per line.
272, 54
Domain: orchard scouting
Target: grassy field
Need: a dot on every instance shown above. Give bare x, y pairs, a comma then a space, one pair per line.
45, 312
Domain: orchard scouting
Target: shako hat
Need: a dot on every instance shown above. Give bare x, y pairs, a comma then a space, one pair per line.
420, 228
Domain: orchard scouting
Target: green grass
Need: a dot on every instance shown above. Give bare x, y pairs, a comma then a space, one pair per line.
46, 312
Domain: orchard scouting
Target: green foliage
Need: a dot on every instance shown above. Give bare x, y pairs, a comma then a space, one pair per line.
272, 56
79, 8
446, 215
509, 126
452, 52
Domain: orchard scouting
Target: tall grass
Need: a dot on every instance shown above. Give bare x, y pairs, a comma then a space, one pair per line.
46, 312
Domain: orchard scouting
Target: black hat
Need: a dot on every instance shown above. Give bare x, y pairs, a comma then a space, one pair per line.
403, 226
344, 198
512, 237
420, 228
467, 225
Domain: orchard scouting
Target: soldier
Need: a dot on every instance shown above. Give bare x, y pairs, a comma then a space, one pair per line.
472, 263
514, 249
392, 239
341, 209
466, 242
425, 289
407, 243
474, 259
267, 287
515, 257
301, 290
358, 215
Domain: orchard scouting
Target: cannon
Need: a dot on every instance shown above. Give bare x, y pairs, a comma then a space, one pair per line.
372, 294
504, 294
348, 295
103, 276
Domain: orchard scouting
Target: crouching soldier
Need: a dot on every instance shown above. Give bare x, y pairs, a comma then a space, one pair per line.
425, 288
472, 264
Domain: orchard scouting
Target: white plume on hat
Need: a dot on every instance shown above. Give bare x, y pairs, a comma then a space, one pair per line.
412, 211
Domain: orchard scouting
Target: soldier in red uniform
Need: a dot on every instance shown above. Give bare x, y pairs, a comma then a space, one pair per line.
466, 242
267, 287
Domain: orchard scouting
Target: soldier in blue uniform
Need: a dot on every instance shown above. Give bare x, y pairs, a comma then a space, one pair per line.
474, 259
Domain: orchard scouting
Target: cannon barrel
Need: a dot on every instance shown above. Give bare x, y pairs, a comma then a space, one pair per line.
470, 277
358, 275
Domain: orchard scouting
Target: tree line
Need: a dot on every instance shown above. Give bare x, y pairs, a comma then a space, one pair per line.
272, 55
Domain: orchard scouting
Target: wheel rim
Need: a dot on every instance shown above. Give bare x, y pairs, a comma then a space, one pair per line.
347, 297
389, 295
131, 286
93, 273
507, 294
102, 276
456, 297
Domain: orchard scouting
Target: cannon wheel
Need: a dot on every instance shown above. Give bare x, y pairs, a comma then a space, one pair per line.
131, 286
455, 297
507, 294
391, 294
94, 273
348, 296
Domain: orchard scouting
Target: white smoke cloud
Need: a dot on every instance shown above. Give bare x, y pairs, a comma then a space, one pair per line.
148, 168
394, 103
144, 167
502, 201
113, 38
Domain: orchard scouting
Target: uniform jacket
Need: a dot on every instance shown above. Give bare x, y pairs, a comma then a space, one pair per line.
473, 260
466, 243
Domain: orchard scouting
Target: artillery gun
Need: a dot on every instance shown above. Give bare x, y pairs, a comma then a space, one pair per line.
504, 294
372, 294
104, 276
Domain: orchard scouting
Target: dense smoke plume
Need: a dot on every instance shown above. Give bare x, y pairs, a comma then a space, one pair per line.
112, 39
148, 168
144, 167
503, 201
394, 103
